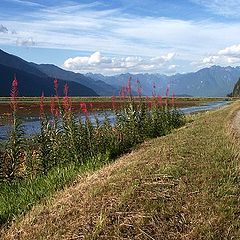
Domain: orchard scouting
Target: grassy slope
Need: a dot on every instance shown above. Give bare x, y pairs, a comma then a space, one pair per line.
182, 186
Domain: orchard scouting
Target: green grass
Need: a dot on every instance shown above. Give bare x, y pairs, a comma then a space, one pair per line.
18, 197
182, 186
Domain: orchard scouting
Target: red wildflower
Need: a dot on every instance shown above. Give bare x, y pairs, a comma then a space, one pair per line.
123, 91
173, 98
57, 112
66, 104
113, 102
14, 92
66, 100
91, 106
66, 88
160, 100
139, 88
150, 105
152, 100
15, 82
84, 108
56, 86
52, 105
128, 88
42, 105
167, 91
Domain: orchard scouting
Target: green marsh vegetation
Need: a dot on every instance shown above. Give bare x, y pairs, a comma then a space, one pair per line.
33, 168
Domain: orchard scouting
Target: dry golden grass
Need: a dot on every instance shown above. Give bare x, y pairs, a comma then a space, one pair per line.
182, 186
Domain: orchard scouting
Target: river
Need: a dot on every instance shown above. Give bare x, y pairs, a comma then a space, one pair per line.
31, 125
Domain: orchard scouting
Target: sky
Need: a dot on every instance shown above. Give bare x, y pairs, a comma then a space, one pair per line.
118, 36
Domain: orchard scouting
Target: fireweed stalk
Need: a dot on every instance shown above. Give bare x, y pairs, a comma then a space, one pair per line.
70, 128
88, 127
129, 87
160, 101
91, 106
173, 99
42, 114
113, 103
139, 89
123, 91
15, 151
55, 82
49, 144
55, 106
44, 139
58, 109
167, 93
67, 108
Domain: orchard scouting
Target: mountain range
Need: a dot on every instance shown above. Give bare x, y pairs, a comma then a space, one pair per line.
210, 82
34, 78
100, 87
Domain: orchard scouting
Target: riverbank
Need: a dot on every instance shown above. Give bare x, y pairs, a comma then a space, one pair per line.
181, 186
32, 125
29, 106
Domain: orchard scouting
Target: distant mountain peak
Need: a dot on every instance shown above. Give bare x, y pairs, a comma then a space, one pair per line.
211, 81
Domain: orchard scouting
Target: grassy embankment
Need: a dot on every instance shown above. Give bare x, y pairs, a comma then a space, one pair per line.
181, 186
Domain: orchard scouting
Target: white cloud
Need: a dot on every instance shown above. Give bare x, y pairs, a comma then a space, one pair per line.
29, 42
210, 60
230, 8
95, 58
111, 65
232, 51
227, 56
233, 60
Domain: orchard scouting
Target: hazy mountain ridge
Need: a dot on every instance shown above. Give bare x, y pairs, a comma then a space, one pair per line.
100, 87
32, 81
213, 81
13, 61
32, 85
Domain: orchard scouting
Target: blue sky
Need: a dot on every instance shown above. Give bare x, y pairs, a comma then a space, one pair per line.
117, 36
